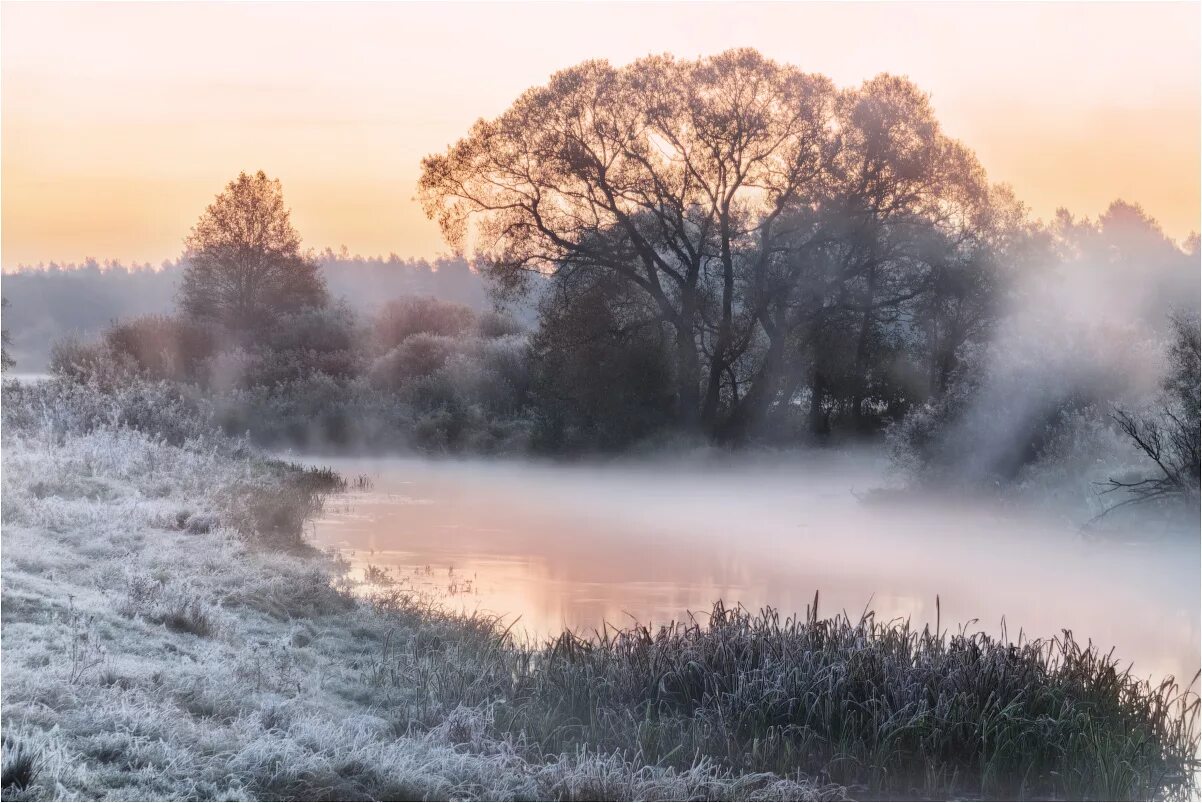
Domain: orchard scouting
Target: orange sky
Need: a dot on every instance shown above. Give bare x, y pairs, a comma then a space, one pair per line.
121, 121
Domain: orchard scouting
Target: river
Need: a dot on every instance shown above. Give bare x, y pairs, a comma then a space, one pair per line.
549, 546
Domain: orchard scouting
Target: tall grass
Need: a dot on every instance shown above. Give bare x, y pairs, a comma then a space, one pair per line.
880, 708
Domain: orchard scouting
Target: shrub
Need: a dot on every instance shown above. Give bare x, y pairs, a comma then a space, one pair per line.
66, 406
164, 347
309, 411
329, 329
264, 367
509, 358
491, 324
188, 615
419, 355
406, 317
90, 363
273, 511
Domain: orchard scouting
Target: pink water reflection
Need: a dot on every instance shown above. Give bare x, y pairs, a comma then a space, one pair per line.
555, 546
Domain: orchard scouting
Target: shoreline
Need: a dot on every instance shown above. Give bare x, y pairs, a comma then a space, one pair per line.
164, 638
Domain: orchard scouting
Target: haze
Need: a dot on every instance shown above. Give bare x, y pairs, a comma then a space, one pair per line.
550, 546
120, 121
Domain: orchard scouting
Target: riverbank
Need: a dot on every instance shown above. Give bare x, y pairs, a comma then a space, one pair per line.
167, 634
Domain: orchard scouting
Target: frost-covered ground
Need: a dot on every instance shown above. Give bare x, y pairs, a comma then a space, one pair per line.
152, 649
167, 633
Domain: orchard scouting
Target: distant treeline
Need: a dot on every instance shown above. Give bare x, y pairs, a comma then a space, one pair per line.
48, 302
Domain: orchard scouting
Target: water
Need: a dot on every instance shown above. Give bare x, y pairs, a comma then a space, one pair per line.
552, 546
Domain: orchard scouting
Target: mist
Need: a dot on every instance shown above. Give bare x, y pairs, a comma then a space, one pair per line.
549, 546
753, 444
1082, 333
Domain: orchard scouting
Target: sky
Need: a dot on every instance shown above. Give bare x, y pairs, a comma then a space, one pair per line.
120, 122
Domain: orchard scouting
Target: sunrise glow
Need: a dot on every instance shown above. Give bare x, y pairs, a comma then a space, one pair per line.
121, 121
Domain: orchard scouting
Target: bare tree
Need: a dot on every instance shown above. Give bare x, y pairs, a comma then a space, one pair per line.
1169, 436
245, 264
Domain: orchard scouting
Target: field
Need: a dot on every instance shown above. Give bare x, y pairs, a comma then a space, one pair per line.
168, 634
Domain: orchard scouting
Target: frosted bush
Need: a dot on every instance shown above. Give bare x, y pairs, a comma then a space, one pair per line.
419, 355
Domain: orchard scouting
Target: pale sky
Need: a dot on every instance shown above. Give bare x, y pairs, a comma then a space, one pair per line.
122, 121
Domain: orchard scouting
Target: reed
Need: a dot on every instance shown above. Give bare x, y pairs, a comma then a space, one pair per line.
880, 708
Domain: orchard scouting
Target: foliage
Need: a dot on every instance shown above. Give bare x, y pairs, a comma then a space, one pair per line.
161, 346
601, 367
168, 634
245, 265
752, 210
1080, 337
64, 406
404, 317
52, 300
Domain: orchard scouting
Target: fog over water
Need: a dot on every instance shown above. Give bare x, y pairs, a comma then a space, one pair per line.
578, 545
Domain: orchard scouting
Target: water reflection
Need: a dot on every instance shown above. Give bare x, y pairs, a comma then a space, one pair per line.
555, 546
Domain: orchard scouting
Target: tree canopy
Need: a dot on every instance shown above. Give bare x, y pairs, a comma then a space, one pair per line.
756, 210
245, 264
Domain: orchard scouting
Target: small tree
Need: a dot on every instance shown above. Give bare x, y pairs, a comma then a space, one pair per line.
245, 264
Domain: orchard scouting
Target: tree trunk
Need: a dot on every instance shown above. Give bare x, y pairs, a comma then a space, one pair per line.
819, 424
688, 396
754, 405
857, 409
721, 361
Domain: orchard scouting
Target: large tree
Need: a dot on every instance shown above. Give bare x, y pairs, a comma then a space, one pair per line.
245, 267
756, 208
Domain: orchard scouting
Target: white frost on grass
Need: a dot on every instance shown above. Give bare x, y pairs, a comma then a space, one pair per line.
144, 658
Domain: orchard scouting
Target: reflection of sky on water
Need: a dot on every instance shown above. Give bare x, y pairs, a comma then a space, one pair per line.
556, 546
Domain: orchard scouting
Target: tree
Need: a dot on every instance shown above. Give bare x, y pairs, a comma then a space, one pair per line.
245, 264
664, 173
601, 365
752, 205
900, 214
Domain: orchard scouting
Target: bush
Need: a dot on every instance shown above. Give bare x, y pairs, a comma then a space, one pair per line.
273, 511
509, 357
406, 317
266, 368
328, 329
90, 363
492, 324
164, 347
450, 381
63, 406
419, 355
